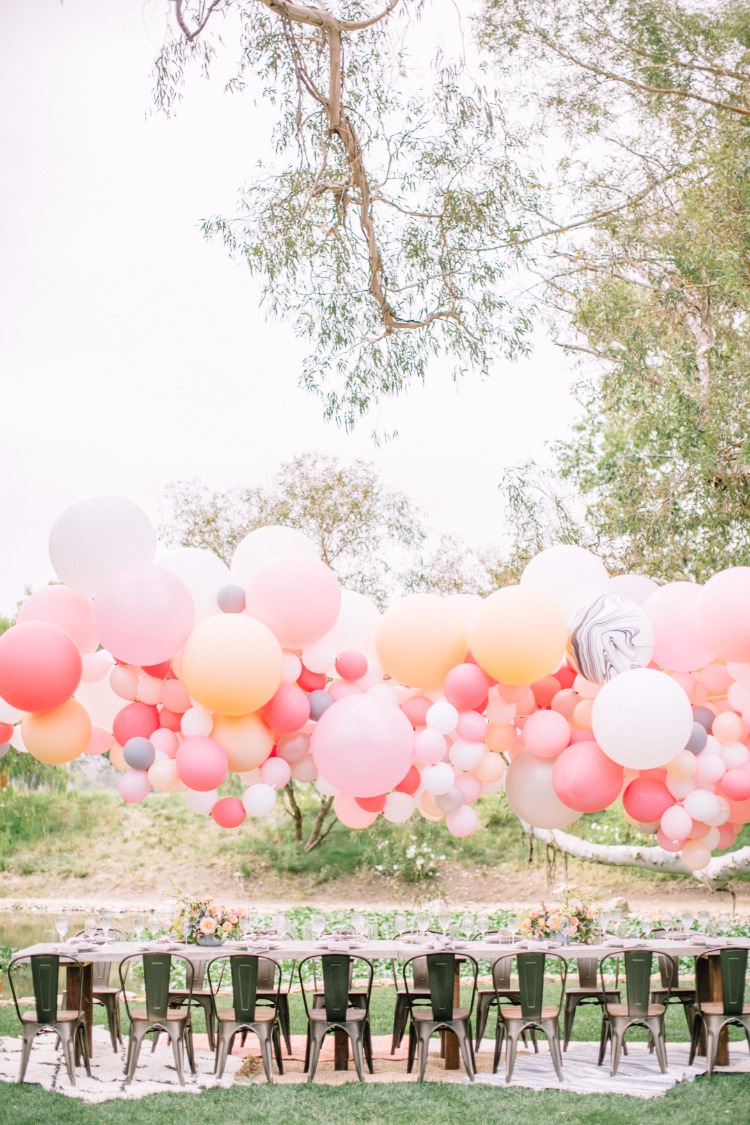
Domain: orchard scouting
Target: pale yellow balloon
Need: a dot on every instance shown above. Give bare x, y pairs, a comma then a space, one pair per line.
57, 736
117, 757
518, 635
163, 775
231, 664
246, 739
419, 639
500, 738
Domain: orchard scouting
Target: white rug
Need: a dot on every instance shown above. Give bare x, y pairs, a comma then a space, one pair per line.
637, 1075
155, 1074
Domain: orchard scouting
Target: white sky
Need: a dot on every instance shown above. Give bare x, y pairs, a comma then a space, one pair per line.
133, 353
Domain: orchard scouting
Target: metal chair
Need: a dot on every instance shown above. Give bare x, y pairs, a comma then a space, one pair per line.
420, 992
277, 995
157, 1016
441, 1014
639, 1011
587, 992
67, 1023
336, 1011
677, 993
532, 1014
199, 995
731, 1010
489, 998
105, 993
245, 1015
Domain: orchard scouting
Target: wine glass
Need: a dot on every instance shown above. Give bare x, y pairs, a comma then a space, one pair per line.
89, 928
105, 924
444, 921
61, 925
318, 925
467, 925
400, 922
422, 923
723, 922
647, 924
604, 920
483, 924
359, 922
703, 918
513, 925
667, 921
687, 920
139, 925
280, 923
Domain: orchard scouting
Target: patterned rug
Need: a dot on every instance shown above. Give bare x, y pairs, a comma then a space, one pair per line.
638, 1075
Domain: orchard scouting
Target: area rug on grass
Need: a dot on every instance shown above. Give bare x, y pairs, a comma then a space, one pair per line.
638, 1075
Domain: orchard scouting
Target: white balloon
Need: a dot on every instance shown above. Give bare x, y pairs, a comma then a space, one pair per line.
319, 658
268, 543
96, 665
466, 755
259, 800
95, 538
702, 805
568, 575
201, 803
9, 714
642, 718
442, 717
356, 624
197, 720
438, 779
636, 587
100, 702
531, 795
398, 807
16, 740
204, 574
324, 787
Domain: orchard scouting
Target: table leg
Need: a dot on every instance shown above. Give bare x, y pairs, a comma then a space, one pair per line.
80, 982
449, 1048
340, 1049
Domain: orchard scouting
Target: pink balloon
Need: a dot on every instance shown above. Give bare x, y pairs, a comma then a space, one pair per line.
165, 741
363, 745
297, 596
339, 689
647, 799
143, 614
466, 686
471, 727
680, 646
293, 747
135, 720
470, 787
727, 836
415, 708
722, 614
100, 742
229, 812
134, 786
275, 772
716, 679
735, 784
462, 823
351, 664
676, 823
352, 814
40, 666
287, 710
546, 734
201, 763
58, 605
584, 777
728, 727
176, 697
429, 747
666, 842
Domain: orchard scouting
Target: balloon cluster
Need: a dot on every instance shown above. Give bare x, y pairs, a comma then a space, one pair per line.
570, 690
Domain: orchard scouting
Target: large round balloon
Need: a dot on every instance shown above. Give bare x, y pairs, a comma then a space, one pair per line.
679, 646
531, 794
298, 597
201, 763
266, 543
419, 639
635, 587
40, 666
722, 614
363, 745
57, 736
642, 718
246, 739
204, 574
609, 635
143, 614
94, 539
356, 624
61, 606
518, 635
231, 664
568, 575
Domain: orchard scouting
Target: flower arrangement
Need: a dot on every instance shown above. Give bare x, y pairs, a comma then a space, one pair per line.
575, 919
201, 919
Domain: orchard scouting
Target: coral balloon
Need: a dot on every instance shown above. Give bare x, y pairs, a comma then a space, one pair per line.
647, 799
642, 718
351, 813
57, 736
585, 779
419, 639
531, 793
288, 710
72, 611
351, 664
229, 812
94, 539
518, 635
231, 664
363, 745
143, 614
201, 763
135, 720
298, 597
40, 666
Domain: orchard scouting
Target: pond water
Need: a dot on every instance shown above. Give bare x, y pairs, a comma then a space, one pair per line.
19, 929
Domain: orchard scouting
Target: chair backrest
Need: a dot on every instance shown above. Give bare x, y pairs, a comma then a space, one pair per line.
441, 968
668, 971
337, 975
501, 972
244, 970
45, 975
266, 974
100, 973
638, 968
733, 968
530, 967
587, 971
157, 969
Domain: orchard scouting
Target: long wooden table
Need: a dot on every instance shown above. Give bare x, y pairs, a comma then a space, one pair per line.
383, 950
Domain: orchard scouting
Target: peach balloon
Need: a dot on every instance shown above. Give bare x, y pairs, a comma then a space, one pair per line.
695, 855
247, 740
124, 679
117, 757
565, 703
352, 814
163, 775
232, 664
419, 639
491, 768
57, 736
61, 606
728, 727
500, 738
99, 743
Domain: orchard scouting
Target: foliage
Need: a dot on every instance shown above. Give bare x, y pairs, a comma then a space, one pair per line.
33, 820
410, 853
196, 918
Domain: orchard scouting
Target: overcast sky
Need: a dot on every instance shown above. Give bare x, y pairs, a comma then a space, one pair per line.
133, 353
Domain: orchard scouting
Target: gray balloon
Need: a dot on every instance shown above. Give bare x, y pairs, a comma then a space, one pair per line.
698, 739
231, 598
139, 753
450, 801
320, 701
705, 716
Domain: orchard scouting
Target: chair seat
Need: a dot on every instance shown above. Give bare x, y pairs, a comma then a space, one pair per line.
262, 1015
184, 993
618, 1011
597, 992
172, 1016
424, 1015
716, 1008
675, 993
107, 990
511, 1012
318, 1015
62, 1017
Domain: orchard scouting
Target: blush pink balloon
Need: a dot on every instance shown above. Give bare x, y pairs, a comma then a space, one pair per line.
680, 645
293, 747
201, 763
287, 710
415, 708
134, 786
351, 813
229, 812
647, 799
584, 778
363, 745
664, 841
471, 727
100, 742
727, 836
470, 787
676, 823
462, 823
165, 741
351, 664
61, 606
722, 614
143, 614
297, 596
40, 666
466, 686
176, 697
275, 772
546, 733
339, 689
735, 784
429, 747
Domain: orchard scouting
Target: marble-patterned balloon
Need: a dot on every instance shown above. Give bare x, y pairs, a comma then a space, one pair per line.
609, 635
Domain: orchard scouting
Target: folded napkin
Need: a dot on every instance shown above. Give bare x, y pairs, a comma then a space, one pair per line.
338, 944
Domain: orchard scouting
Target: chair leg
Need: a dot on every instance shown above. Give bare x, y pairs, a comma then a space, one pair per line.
28, 1039
617, 1038
69, 1054
134, 1049
177, 1045
412, 1049
695, 1037
285, 1023
222, 1051
464, 1042
356, 1040
423, 1046
314, 1052
84, 1046
400, 1017
510, 1054
499, 1036
553, 1038
265, 1054
277, 1047
483, 1010
367, 1045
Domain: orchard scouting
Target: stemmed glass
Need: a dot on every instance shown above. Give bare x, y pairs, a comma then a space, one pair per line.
318, 925
359, 922
61, 925
512, 926
483, 924
667, 921
647, 923
400, 922
444, 921
105, 923
687, 920
89, 929
467, 925
139, 925
723, 922
703, 918
280, 923
422, 923
604, 919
